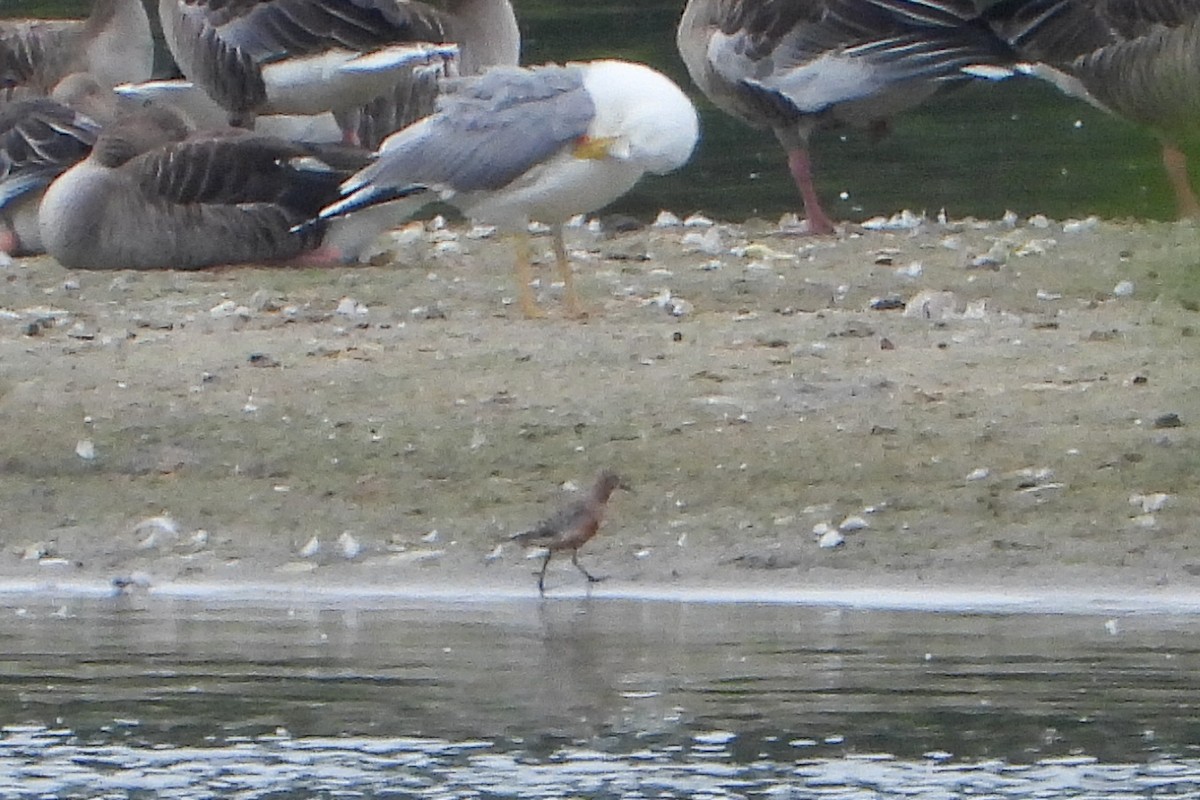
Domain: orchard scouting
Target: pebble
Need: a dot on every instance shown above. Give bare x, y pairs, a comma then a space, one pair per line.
666, 219
1168, 420
698, 221
979, 474
853, 523
1123, 289
85, 449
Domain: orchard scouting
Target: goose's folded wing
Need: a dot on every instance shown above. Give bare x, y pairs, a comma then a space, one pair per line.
235, 169
39, 140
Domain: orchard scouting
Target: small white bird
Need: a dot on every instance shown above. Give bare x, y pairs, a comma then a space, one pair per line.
519, 144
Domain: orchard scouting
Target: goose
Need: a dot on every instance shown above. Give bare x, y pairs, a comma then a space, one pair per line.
40, 138
1136, 59
151, 195
202, 111
113, 44
487, 35
804, 65
311, 56
518, 144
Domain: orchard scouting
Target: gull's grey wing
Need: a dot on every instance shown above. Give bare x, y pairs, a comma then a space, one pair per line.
488, 131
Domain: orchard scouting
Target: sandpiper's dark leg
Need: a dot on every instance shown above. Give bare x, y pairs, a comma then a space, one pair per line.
542, 574
575, 560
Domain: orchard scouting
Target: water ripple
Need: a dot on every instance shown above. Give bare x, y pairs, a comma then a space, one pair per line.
37, 762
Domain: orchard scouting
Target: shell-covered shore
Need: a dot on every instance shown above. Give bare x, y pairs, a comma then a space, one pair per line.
916, 402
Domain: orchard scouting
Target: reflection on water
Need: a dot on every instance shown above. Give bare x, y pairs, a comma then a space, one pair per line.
978, 151
152, 697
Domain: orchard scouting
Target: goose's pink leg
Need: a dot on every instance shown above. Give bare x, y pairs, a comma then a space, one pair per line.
1177, 173
801, 167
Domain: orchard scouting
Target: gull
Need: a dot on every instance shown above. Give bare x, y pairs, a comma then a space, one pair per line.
519, 144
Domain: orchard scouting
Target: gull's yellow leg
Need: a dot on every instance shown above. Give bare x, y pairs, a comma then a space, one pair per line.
574, 305
524, 270
1177, 173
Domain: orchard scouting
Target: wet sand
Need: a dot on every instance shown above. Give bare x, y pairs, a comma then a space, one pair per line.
976, 405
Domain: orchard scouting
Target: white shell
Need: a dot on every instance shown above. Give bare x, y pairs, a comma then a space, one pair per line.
311, 548
830, 539
350, 546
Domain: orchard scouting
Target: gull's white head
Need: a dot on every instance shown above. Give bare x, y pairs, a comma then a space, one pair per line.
651, 121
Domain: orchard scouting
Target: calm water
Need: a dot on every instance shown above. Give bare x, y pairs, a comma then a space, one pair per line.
159, 697
978, 151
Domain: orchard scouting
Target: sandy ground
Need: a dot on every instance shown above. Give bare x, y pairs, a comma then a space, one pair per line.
972, 403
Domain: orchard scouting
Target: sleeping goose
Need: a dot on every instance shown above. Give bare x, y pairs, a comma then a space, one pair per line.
40, 138
152, 197
113, 44
797, 66
545, 143
304, 56
1137, 59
